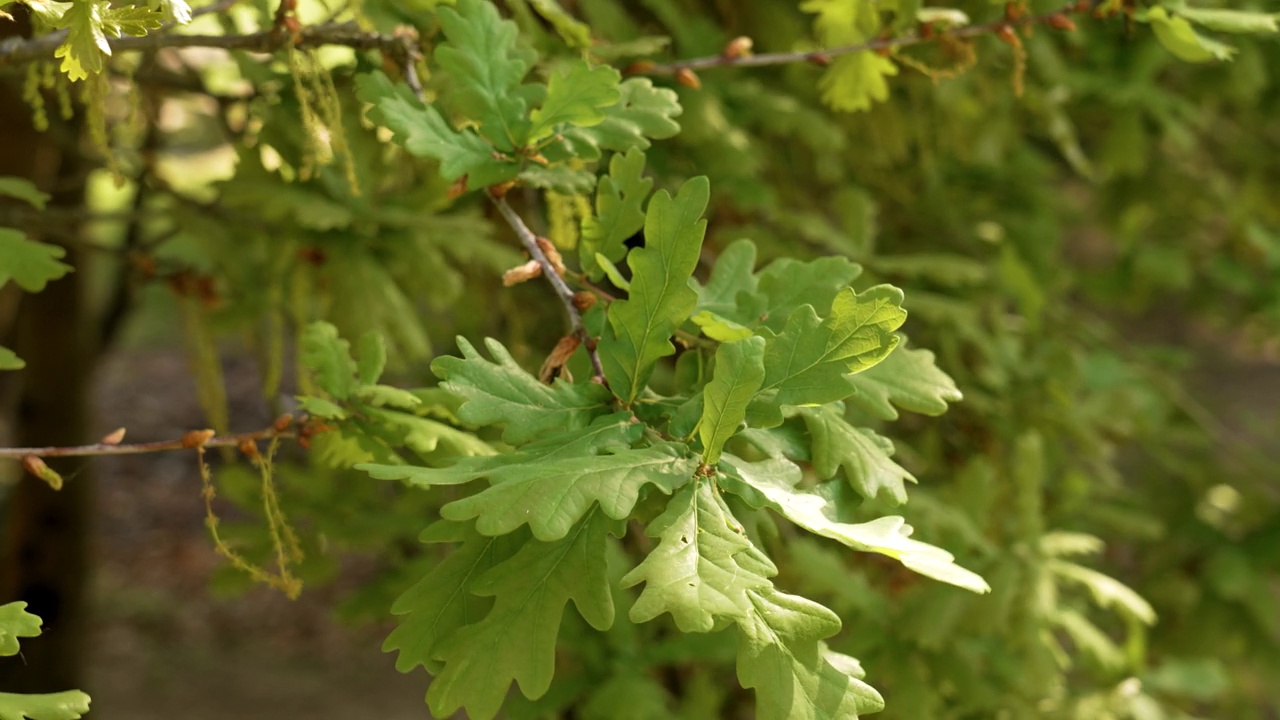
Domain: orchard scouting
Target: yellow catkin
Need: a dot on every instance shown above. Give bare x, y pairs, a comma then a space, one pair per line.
965, 58
562, 221
33, 97
330, 107
205, 365
314, 153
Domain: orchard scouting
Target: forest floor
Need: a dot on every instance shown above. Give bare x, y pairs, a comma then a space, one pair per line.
165, 645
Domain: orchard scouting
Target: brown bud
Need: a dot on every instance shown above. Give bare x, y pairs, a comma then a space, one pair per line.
1062, 22
926, 31
196, 438
1012, 11
820, 59
457, 189
553, 255
559, 356
304, 442
314, 427
1006, 34
584, 300
500, 190
1083, 6
207, 291
115, 437
639, 67
282, 423
312, 256
521, 273
685, 77
34, 465
737, 47
249, 448
538, 158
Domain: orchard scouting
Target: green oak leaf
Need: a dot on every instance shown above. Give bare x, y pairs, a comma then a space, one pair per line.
65, 705
1178, 37
731, 276
503, 393
559, 177
908, 378
574, 32
1107, 591
703, 565
576, 96
131, 20
864, 456
86, 45
9, 360
720, 329
661, 299
785, 285
371, 359
177, 11
619, 211
643, 112
773, 483
738, 374
24, 190
809, 363
484, 65
552, 495
628, 694
516, 640
328, 356
796, 677
16, 622
1229, 21
29, 263
444, 599
422, 131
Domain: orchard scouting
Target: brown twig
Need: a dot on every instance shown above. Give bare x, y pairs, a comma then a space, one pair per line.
183, 443
565, 293
825, 55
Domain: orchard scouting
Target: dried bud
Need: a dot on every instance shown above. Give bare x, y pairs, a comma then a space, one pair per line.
559, 356
737, 47
282, 423
820, 59
685, 77
250, 449
553, 255
1083, 6
500, 190
1006, 34
639, 67
1062, 22
538, 158
584, 300
457, 189
196, 438
115, 437
37, 468
521, 273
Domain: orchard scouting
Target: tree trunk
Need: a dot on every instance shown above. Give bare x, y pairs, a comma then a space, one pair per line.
44, 550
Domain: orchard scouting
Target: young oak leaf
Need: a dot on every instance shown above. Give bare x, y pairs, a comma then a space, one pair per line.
864, 455
552, 495
576, 96
607, 434
773, 483
809, 363
16, 622
443, 600
739, 372
65, 705
574, 32
484, 66
731, 276
29, 263
787, 284
421, 130
516, 640
86, 45
796, 677
326, 354
661, 298
908, 378
9, 360
619, 211
503, 393
703, 566
641, 113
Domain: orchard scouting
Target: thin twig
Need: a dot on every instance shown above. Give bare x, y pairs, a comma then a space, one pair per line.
142, 448
530, 242
821, 56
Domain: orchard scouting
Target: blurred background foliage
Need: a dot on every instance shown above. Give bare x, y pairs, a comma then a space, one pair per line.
1092, 260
